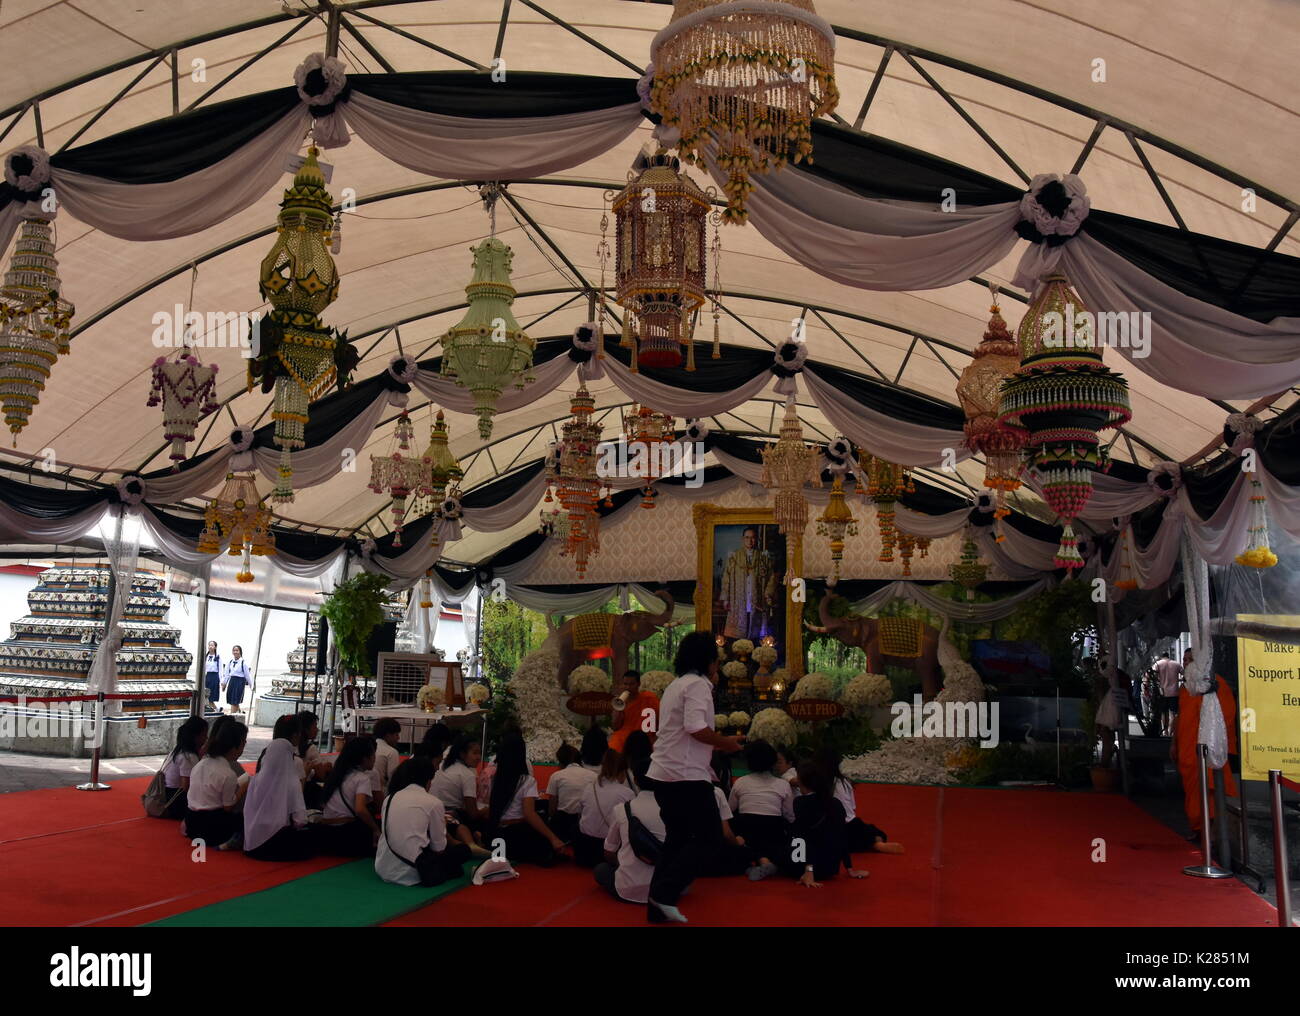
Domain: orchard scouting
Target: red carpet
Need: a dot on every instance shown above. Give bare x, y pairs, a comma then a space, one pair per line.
974, 857
93, 859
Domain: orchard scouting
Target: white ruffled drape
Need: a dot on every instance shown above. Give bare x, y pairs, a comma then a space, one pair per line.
954, 610
121, 548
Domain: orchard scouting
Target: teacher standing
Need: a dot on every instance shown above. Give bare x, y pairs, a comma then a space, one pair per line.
682, 776
234, 678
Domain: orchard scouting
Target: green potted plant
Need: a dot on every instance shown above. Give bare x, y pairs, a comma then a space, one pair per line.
354, 609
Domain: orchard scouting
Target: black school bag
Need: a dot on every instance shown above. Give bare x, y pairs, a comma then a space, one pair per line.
646, 846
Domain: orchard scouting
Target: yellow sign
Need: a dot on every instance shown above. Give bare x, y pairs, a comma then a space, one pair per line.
1269, 683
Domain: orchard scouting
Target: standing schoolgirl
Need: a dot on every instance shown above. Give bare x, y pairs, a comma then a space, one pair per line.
212, 676
235, 678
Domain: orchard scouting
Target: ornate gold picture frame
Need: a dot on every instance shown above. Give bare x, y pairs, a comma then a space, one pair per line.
707, 518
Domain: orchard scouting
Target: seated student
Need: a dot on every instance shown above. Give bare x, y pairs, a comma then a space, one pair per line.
594, 746
455, 783
819, 829
215, 792
565, 791
190, 741
434, 744
512, 808
275, 816
346, 827
413, 844
312, 768
764, 807
862, 835
387, 732
638, 745
640, 711
608, 791
626, 876
787, 763
733, 855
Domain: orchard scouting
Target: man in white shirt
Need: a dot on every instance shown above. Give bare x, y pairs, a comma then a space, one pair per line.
682, 777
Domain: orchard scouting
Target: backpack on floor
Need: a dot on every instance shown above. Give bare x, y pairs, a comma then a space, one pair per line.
156, 799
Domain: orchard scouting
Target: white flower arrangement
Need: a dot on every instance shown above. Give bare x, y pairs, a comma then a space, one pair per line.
742, 646
815, 686
865, 692
764, 656
739, 718
773, 726
478, 693
656, 681
588, 678
430, 695
907, 760
539, 705
961, 683
720, 721
734, 670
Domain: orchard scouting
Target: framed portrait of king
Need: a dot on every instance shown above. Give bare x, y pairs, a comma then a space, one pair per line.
741, 587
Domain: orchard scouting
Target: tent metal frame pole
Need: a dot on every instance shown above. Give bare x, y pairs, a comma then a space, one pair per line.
101, 706
200, 680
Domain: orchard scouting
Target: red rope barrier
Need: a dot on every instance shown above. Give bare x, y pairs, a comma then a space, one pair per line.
122, 696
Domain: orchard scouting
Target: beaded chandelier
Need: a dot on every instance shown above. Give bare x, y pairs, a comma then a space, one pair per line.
186, 391
886, 483
837, 522
979, 389
34, 322
571, 474
788, 465
1059, 398
746, 79
399, 476
442, 472
660, 262
296, 354
487, 350
647, 435
238, 515
970, 571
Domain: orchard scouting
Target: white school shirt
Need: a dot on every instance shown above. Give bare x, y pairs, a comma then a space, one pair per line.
212, 664
686, 708
632, 877
412, 819
566, 787
724, 809
515, 810
790, 776
344, 800
386, 760
234, 668
844, 794
213, 784
455, 783
762, 794
599, 799
179, 766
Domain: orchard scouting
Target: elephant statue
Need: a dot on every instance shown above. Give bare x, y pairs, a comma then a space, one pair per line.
906, 642
597, 636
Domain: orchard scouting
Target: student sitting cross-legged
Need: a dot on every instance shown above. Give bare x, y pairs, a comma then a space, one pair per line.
512, 808
624, 874
216, 793
610, 790
414, 847
346, 827
275, 817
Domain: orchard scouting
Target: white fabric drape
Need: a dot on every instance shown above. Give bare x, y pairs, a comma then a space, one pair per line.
955, 610
680, 401
1199, 675
509, 148
446, 393
121, 549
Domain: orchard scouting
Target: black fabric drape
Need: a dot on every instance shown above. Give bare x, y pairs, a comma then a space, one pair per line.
519, 94
737, 365
49, 502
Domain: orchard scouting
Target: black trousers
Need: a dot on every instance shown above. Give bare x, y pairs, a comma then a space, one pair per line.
524, 844
565, 825
693, 836
347, 839
179, 806
289, 844
435, 868
213, 827
588, 851
863, 836
764, 836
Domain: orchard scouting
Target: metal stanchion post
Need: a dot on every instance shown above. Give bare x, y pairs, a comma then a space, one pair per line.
1282, 873
1207, 868
94, 783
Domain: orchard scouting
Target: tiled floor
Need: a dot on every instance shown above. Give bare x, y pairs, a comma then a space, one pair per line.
36, 772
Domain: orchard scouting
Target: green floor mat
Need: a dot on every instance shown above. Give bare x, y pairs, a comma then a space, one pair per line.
350, 895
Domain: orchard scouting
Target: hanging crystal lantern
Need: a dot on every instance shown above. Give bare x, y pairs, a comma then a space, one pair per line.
187, 392
488, 350
979, 390
887, 482
788, 465
237, 514
970, 571
442, 474
34, 322
295, 353
1059, 399
837, 522
571, 473
661, 267
746, 80
647, 435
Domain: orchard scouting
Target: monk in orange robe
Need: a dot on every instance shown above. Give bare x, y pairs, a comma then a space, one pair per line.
1183, 750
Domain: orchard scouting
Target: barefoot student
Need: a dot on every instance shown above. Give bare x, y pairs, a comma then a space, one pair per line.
683, 779
861, 835
764, 809
820, 843
414, 848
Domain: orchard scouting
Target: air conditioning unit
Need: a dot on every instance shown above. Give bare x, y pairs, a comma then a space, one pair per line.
399, 677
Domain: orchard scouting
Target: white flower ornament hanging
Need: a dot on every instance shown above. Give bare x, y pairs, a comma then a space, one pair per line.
186, 390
